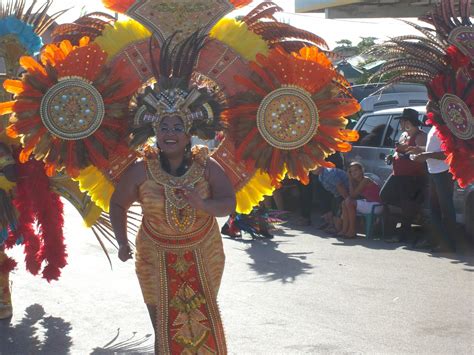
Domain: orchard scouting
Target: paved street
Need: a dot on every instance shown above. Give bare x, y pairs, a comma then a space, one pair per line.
296, 294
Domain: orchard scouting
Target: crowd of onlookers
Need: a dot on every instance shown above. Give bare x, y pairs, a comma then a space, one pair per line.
420, 181
419, 175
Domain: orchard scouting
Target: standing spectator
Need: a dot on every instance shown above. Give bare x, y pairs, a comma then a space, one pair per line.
404, 188
443, 214
324, 197
363, 195
336, 182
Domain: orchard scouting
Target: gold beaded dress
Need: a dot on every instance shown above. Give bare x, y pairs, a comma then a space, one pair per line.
180, 261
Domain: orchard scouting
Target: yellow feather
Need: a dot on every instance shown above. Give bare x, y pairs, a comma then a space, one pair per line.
120, 35
249, 196
97, 186
236, 35
6, 184
92, 216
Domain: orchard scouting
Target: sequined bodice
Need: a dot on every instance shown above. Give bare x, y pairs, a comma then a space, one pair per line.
164, 208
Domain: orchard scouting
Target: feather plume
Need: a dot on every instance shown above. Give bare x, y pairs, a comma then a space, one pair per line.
90, 25
278, 31
263, 10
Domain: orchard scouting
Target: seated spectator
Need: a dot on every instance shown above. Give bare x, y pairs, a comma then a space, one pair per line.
363, 195
336, 182
404, 188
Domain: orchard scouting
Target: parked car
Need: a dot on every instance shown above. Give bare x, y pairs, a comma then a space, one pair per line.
375, 97
372, 100
378, 133
401, 99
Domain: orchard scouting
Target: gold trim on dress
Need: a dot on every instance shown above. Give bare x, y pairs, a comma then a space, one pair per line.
180, 216
173, 242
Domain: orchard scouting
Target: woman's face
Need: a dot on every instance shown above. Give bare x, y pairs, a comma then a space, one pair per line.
356, 172
407, 126
171, 136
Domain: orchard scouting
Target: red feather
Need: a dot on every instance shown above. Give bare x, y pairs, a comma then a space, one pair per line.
7, 265
39, 207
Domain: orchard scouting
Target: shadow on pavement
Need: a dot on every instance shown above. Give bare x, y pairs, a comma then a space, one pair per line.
274, 264
23, 338
132, 345
464, 256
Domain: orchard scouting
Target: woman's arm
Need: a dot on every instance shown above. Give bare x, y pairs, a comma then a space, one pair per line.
359, 188
126, 192
429, 155
222, 200
352, 185
342, 190
420, 142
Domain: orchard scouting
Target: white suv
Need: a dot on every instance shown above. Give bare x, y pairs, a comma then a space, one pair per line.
378, 133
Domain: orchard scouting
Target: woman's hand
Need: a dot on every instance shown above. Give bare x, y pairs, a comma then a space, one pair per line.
125, 252
419, 158
193, 198
402, 148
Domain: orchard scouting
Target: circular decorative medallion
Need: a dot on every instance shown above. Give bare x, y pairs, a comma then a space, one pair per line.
72, 109
463, 38
457, 116
287, 118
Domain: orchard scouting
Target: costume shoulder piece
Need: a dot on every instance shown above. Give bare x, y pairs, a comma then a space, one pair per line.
200, 154
268, 86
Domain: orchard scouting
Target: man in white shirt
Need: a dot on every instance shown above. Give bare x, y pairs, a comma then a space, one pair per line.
443, 214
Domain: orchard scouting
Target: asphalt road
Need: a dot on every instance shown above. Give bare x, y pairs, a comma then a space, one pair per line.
300, 293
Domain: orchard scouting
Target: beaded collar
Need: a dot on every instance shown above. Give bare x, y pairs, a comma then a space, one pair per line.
179, 214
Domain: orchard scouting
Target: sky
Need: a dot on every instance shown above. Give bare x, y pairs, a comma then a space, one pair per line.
329, 29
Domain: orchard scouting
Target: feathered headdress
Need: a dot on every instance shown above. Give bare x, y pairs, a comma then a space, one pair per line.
21, 28
26, 25
175, 93
442, 58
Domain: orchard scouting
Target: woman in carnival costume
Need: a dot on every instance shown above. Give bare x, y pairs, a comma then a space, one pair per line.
179, 256
20, 34
31, 211
179, 252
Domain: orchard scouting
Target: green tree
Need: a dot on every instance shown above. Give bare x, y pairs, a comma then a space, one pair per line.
365, 43
344, 43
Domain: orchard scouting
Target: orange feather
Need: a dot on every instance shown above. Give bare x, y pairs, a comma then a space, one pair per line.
6, 107
14, 87
32, 66
118, 5
237, 3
